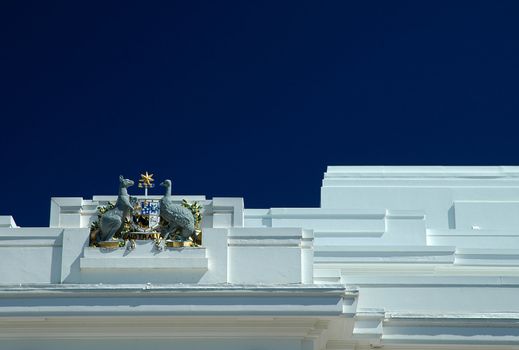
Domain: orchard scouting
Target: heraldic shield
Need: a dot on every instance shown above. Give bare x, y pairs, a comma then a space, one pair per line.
146, 215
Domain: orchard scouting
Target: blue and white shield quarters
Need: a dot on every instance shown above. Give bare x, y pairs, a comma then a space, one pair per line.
146, 215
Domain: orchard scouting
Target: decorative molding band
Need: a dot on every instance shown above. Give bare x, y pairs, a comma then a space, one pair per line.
376, 254
175, 300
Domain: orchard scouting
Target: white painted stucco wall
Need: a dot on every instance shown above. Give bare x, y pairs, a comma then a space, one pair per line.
400, 257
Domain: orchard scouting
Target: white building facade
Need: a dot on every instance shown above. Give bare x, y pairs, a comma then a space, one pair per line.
395, 257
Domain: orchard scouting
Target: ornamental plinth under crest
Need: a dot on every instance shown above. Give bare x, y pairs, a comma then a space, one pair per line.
169, 222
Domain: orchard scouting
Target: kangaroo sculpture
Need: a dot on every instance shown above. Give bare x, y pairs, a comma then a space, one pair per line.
112, 221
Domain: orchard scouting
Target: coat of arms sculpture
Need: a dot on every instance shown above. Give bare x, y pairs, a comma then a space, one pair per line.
131, 218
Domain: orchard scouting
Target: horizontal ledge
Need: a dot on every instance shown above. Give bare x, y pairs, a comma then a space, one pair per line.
269, 233
259, 244
28, 233
340, 184
405, 214
432, 281
483, 342
253, 310
175, 300
436, 171
480, 251
322, 213
267, 236
179, 288
481, 316
469, 233
29, 245
487, 257
310, 213
345, 233
337, 255
249, 213
172, 263
386, 249
441, 270
341, 262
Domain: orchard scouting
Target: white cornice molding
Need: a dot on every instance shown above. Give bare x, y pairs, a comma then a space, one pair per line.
308, 289
177, 300
383, 329
423, 171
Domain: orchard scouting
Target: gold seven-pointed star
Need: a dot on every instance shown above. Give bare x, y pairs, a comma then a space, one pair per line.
147, 179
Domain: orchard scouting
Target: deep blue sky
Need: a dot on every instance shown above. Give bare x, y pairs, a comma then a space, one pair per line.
249, 99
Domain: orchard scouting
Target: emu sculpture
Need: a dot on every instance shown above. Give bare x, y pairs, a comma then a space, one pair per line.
112, 221
178, 218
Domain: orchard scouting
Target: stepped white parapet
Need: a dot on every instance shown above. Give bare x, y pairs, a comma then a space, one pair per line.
397, 257
452, 197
